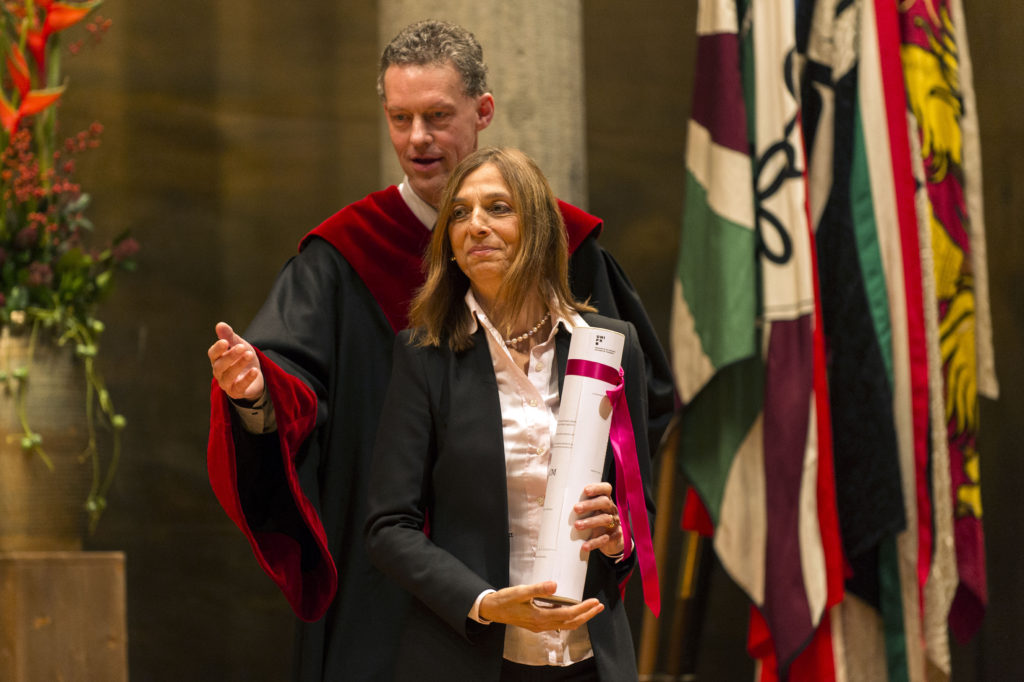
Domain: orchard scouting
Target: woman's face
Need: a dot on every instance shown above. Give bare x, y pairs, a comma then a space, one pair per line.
484, 230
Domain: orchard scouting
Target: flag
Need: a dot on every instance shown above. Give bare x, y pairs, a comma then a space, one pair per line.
795, 583
747, 341
932, 59
890, 185
833, 202
858, 332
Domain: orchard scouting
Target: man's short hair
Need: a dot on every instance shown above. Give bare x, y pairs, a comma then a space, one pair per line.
437, 42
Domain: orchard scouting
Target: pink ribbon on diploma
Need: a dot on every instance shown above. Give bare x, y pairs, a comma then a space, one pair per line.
629, 493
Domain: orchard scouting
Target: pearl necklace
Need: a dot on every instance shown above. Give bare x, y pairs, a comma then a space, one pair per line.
522, 337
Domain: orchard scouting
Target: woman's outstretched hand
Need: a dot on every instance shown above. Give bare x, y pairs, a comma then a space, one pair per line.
515, 606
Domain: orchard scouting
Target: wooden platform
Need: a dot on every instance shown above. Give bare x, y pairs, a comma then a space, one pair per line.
62, 617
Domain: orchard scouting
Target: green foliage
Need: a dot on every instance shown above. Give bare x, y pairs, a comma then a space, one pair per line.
51, 280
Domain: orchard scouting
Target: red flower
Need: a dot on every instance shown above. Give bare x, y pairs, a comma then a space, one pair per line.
125, 249
58, 16
26, 237
33, 102
40, 275
17, 67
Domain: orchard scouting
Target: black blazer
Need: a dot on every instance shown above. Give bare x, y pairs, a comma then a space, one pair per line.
439, 460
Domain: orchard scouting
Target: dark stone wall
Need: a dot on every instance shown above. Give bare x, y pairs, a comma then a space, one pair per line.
233, 127
996, 52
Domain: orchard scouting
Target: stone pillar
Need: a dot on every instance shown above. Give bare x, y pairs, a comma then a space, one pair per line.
534, 54
295, 114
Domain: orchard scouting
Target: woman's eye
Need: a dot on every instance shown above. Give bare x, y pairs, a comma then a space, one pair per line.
500, 207
459, 212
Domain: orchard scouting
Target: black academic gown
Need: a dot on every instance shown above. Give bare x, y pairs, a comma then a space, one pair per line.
440, 460
299, 495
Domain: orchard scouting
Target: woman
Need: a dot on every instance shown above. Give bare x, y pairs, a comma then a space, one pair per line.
460, 464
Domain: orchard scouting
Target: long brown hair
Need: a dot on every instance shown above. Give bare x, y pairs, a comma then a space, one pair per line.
540, 264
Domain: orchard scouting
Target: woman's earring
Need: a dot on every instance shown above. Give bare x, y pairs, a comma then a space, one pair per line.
452, 259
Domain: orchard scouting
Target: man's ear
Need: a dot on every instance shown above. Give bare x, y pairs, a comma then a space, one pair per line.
484, 111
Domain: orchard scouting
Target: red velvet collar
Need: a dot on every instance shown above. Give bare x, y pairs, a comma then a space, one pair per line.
384, 242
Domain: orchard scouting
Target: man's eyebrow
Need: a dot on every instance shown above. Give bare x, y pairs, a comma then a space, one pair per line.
440, 104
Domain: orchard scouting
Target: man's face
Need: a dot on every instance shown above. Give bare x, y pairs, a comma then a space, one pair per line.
433, 124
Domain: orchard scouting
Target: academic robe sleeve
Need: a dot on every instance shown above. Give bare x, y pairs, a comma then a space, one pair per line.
594, 274
266, 483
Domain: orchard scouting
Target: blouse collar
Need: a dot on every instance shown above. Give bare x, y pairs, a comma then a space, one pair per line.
569, 323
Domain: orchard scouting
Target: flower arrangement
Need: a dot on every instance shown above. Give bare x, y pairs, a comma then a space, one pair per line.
50, 280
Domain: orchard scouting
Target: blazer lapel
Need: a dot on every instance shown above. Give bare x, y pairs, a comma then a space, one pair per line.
478, 435
562, 339
477, 386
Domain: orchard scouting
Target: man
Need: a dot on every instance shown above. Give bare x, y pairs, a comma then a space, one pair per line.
295, 404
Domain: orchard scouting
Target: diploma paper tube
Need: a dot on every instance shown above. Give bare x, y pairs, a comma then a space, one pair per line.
577, 459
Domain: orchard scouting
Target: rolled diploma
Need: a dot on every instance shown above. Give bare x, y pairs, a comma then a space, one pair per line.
577, 459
